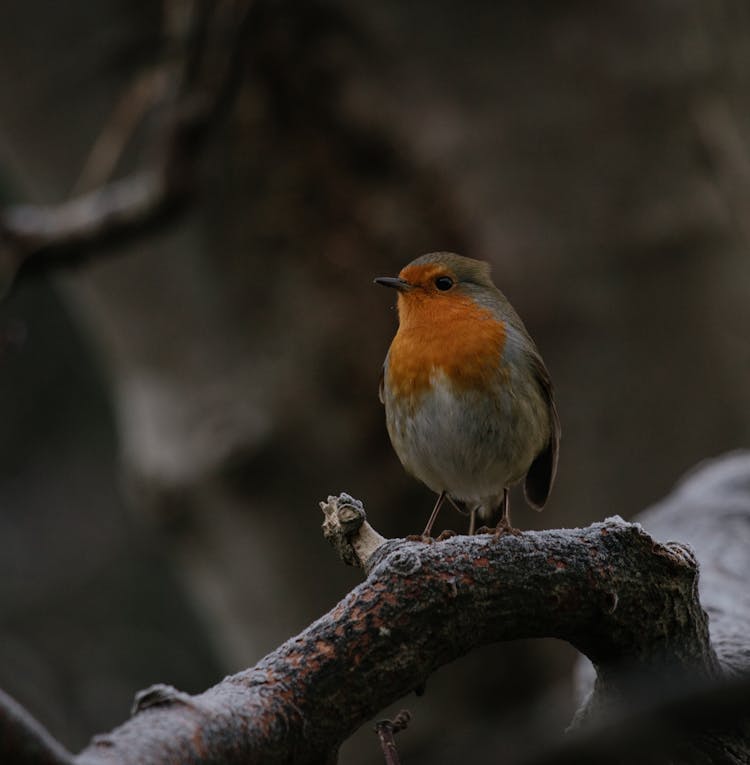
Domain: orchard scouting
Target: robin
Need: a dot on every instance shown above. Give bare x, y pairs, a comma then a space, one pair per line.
469, 404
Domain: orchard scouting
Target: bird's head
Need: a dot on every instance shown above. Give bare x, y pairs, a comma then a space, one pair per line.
440, 276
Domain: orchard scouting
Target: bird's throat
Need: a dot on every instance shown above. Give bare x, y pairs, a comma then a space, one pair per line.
453, 336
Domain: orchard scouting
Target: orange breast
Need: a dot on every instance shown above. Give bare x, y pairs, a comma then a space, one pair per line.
448, 333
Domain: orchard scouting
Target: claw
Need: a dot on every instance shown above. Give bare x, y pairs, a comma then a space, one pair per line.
447, 534
504, 529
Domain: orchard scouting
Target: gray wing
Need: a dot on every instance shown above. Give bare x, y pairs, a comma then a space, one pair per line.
541, 474
381, 383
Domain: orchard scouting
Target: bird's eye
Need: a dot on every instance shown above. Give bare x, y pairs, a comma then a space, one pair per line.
443, 283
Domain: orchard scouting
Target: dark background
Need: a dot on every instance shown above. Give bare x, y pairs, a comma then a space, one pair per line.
173, 411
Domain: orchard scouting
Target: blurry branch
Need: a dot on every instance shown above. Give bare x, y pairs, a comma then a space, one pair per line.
728, 153
23, 740
689, 721
611, 590
143, 94
191, 95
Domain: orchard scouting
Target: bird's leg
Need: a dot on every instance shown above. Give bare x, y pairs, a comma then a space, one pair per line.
434, 514
505, 517
503, 525
472, 522
447, 534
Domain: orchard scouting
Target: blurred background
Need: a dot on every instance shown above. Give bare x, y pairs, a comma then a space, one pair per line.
174, 409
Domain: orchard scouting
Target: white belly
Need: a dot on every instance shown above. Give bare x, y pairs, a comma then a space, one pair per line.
470, 445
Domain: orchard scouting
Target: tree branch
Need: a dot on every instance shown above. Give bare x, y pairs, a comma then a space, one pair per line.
625, 600
387, 730
23, 740
422, 606
41, 236
693, 721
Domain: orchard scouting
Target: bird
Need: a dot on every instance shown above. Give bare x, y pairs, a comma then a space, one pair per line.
469, 403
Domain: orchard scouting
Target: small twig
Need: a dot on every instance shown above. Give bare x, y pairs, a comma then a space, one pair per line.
387, 730
128, 113
345, 526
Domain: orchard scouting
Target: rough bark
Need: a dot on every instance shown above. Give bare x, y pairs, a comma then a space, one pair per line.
710, 511
626, 601
422, 606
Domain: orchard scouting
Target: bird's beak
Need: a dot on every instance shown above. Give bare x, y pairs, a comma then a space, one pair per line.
394, 281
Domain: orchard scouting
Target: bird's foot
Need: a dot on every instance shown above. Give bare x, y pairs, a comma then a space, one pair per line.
447, 534
485, 530
424, 538
504, 528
